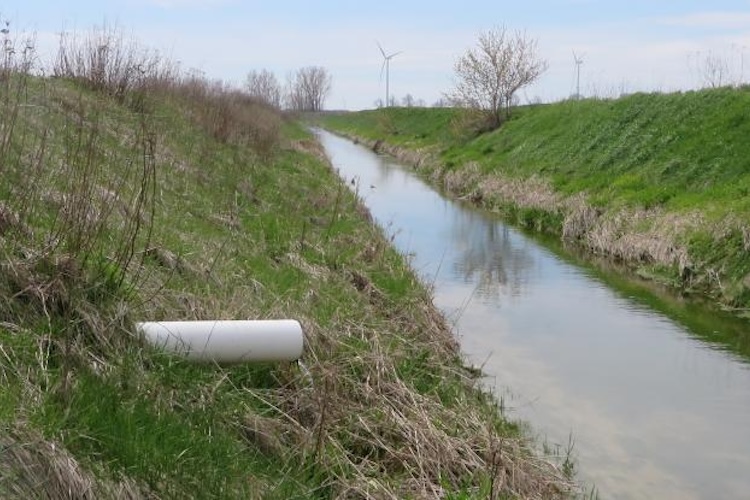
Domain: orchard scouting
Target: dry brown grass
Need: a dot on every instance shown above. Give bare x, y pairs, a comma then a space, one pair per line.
627, 234
33, 467
107, 61
229, 115
642, 236
417, 158
360, 417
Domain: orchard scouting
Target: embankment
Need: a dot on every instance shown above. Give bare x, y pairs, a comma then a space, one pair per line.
656, 181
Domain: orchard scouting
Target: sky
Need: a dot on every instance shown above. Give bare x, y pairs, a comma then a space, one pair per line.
625, 46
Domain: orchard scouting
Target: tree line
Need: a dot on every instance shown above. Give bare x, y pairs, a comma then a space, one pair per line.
304, 90
487, 76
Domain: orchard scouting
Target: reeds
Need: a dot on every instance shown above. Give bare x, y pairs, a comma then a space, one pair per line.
230, 115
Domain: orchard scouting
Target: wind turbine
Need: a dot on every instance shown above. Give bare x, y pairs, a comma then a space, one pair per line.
579, 62
387, 66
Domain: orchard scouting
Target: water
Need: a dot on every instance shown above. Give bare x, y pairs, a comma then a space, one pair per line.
653, 410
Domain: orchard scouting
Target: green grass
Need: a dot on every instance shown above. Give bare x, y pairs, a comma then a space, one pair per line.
413, 127
680, 158
108, 420
676, 150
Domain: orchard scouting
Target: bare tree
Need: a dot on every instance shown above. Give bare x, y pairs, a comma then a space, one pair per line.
408, 101
263, 85
715, 70
489, 76
292, 94
308, 88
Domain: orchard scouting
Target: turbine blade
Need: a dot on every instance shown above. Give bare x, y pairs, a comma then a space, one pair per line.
382, 68
381, 48
395, 54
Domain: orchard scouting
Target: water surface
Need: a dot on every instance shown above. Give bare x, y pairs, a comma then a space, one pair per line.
655, 408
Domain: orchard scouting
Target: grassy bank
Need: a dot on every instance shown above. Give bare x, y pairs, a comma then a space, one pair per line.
657, 181
148, 195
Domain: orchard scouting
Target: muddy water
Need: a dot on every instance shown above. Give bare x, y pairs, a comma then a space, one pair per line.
653, 409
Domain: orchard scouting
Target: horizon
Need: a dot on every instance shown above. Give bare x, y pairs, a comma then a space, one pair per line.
626, 47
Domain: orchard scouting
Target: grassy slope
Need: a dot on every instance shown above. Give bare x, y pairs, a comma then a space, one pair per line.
676, 165
388, 410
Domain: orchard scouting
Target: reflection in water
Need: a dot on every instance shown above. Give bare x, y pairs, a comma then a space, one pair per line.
489, 256
718, 329
655, 413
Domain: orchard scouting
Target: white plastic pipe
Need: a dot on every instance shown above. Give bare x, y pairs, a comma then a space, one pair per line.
225, 341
